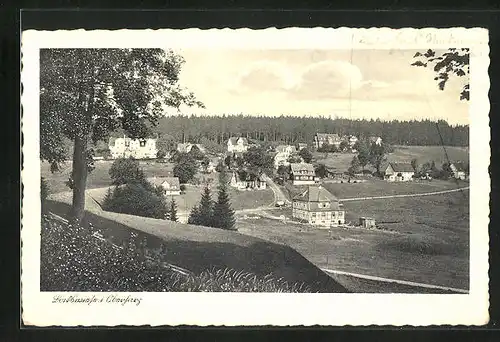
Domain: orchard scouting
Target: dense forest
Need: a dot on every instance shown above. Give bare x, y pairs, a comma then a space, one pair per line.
288, 129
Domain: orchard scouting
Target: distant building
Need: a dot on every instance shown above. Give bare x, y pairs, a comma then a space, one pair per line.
243, 180
302, 173
283, 152
459, 170
326, 138
187, 147
317, 206
237, 145
136, 148
375, 140
301, 146
399, 172
170, 185
367, 222
352, 140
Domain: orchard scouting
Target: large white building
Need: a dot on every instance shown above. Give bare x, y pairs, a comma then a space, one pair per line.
399, 172
321, 139
136, 148
317, 206
237, 145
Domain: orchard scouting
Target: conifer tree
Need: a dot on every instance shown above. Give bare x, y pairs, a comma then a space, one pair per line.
223, 214
206, 208
194, 216
173, 211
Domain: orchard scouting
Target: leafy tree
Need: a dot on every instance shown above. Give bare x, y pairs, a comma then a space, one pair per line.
205, 162
185, 168
363, 153
344, 146
196, 153
446, 171
355, 166
136, 199
306, 155
126, 171
172, 214
294, 158
165, 144
228, 161
161, 154
377, 156
223, 214
257, 159
87, 93
452, 62
284, 172
321, 171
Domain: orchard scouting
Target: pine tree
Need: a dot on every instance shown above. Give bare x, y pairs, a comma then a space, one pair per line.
206, 208
173, 211
194, 216
223, 214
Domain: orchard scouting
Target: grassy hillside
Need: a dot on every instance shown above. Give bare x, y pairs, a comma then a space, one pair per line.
424, 239
200, 248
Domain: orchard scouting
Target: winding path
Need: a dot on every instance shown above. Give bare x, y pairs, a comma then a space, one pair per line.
404, 195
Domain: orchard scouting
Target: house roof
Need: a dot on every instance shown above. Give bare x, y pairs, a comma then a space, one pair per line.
374, 138
172, 181
234, 140
297, 167
402, 167
283, 148
324, 136
316, 194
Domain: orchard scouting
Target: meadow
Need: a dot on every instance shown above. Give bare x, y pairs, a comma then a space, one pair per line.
422, 239
340, 162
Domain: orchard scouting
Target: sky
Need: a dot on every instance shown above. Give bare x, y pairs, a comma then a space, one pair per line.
334, 83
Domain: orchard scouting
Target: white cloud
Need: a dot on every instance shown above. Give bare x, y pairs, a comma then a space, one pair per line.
264, 76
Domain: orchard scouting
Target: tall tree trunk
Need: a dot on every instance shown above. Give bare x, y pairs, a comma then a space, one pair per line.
79, 179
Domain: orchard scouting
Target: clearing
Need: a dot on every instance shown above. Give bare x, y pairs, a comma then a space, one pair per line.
423, 239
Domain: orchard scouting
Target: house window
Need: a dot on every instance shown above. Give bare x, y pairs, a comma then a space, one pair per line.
127, 143
142, 143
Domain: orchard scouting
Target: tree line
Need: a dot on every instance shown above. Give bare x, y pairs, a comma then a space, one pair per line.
290, 129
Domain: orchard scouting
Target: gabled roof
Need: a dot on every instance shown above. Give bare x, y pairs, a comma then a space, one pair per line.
402, 167
234, 140
283, 148
297, 167
324, 136
316, 194
460, 166
172, 181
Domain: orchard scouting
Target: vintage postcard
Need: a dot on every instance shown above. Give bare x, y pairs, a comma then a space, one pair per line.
288, 177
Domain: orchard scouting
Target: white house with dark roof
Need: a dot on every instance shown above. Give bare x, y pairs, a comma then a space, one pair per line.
303, 173
317, 206
187, 147
283, 152
321, 139
459, 170
171, 185
243, 180
399, 172
124, 147
237, 145
375, 140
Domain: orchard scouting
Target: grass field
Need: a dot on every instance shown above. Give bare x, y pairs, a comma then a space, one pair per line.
99, 181
340, 162
428, 242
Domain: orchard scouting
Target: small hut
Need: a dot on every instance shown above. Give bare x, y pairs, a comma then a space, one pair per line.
367, 222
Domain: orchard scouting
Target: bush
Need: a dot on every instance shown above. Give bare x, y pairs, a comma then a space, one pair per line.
72, 259
126, 171
136, 199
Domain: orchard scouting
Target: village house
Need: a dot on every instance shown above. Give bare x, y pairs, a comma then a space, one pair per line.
303, 173
187, 147
301, 146
399, 172
352, 140
243, 180
283, 152
170, 185
317, 206
124, 147
326, 138
459, 170
237, 145
375, 140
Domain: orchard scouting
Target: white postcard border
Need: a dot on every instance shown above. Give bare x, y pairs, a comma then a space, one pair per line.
252, 309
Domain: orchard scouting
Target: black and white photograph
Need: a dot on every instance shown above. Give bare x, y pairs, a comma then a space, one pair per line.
279, 168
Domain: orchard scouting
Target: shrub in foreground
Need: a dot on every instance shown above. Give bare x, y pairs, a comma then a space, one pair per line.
72, 259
